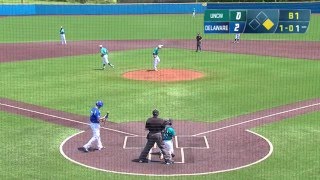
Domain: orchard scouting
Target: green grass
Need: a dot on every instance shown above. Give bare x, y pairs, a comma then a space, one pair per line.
233, 84
31, 151
126, 27
296, 151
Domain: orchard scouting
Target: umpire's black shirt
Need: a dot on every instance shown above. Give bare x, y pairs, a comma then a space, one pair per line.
155, 124
198, 38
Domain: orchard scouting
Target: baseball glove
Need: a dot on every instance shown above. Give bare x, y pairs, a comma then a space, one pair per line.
102, 55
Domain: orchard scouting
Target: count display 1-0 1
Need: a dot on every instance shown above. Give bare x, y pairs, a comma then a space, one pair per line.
256, 21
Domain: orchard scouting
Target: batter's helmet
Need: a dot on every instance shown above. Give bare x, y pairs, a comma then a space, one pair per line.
99, 104
155, 112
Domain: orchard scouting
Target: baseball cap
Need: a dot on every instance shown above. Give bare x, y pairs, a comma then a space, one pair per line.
155, 112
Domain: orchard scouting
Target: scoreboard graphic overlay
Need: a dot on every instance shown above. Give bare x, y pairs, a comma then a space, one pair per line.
256, 21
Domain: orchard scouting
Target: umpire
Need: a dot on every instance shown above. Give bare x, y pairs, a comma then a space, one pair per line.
199, 41
155, 126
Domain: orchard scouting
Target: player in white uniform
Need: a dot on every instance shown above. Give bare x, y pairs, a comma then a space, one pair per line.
63, 36
167, 135
104, 54
194, 12
156, 59
237, 38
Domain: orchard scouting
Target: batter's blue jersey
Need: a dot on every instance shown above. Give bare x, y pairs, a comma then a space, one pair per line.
95, 115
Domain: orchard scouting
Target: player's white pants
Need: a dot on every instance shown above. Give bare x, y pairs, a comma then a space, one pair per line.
169, 146
194, 14
95, 127
105, 59
156, 61
237, 36
63, 39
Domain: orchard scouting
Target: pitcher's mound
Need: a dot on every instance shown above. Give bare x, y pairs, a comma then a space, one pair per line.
165, 75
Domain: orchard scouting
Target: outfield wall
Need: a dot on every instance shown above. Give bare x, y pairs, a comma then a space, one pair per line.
117, 9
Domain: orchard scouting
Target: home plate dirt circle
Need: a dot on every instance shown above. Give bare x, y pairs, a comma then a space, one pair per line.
163, 75
213, 152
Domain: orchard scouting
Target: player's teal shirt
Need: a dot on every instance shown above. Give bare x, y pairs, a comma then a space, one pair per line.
156, 51
104, 51
61, 31
168, 133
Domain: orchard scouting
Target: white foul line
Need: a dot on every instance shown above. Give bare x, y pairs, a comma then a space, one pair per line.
125, 142
270, 115
79, 122
206, 141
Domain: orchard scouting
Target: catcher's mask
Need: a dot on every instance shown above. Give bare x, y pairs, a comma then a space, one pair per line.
99, 104
168, 122
155, 112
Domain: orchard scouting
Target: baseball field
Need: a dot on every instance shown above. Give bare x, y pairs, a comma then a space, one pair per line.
255, 106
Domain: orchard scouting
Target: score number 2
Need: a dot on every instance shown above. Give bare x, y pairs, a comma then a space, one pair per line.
236, 27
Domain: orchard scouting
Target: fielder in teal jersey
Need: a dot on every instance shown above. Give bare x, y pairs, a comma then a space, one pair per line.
104, 54
194, 12
167, 136
156, 59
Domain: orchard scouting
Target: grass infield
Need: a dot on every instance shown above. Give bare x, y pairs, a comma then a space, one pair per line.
233, 84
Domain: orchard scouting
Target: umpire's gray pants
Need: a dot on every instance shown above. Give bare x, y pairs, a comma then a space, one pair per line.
151, 139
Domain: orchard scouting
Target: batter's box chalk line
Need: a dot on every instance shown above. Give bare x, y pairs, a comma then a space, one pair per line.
192, 139
183, 139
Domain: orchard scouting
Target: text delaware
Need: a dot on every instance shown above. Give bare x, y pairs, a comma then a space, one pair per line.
216, 27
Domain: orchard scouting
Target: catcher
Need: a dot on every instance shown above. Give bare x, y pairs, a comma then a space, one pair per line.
95, 120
